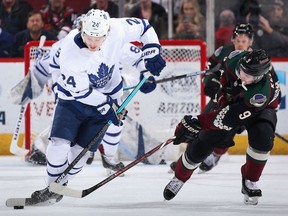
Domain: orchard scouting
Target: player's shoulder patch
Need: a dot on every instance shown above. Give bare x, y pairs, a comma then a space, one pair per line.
258, 100
234, 53
218, 51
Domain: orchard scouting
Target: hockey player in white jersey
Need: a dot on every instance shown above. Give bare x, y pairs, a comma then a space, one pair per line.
110, 142
89, 86
109, 145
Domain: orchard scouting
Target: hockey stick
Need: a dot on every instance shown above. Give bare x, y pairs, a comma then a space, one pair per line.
196, 73
64, 190
14, 148
281, 137
101, 132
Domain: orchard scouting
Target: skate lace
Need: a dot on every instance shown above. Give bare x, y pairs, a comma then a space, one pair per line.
111, 160
251, 185
211, 160
175, 185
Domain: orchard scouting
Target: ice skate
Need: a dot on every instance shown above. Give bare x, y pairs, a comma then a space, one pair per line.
111, 164
90, 159
172, 188
44, 196
210, 162
36, 157
162, 162
251, 192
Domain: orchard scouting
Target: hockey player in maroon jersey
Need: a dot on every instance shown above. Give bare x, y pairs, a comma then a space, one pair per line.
242, 39
250, 96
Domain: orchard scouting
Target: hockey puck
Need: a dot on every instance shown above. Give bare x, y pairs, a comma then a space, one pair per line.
18, 207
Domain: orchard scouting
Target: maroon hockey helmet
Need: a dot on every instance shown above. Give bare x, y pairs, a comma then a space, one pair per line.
255, 63
243, 28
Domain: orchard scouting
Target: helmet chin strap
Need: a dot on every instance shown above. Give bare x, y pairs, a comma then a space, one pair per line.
242, 82
243, 85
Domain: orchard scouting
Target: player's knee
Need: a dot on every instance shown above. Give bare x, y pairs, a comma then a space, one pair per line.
55, 141
261, 136
57, 151
198, 151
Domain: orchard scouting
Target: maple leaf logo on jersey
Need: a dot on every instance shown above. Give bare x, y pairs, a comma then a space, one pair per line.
102, 76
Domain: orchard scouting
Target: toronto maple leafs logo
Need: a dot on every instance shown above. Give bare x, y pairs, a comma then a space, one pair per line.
102, 76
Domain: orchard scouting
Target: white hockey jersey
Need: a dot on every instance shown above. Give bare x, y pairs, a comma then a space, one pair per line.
41, 69
89, 77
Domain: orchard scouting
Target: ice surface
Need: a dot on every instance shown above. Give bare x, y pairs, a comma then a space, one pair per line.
139, 192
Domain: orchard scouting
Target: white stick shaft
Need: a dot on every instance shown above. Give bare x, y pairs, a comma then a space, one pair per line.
14, 148
42, 41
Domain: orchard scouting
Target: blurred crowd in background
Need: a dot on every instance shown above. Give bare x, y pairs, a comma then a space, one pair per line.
26, 20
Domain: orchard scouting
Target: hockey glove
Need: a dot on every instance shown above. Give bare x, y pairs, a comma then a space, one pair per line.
212, 85
149, 85
187, 130
40, 52
108, 111
152, 58
224, 99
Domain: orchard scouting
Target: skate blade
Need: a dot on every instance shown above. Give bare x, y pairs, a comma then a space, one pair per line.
200, 171
110, 172
250, 200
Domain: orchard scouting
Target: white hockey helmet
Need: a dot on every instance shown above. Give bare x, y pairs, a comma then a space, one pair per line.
76, 22
96, 23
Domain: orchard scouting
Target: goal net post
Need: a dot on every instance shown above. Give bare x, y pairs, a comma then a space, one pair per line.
39, 112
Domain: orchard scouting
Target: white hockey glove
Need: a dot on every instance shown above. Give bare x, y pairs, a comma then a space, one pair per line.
152, 58
108, 111
27, 89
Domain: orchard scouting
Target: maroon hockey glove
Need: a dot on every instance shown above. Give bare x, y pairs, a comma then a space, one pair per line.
223, 99
212, 85
187, 130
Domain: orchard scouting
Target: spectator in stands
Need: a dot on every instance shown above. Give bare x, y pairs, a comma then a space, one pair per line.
178, 3
106, 5
155, 13
191, 23
33, 32
244, 8
224, 33
13, 14
6, 41
58, 18
272, 33
127, 7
